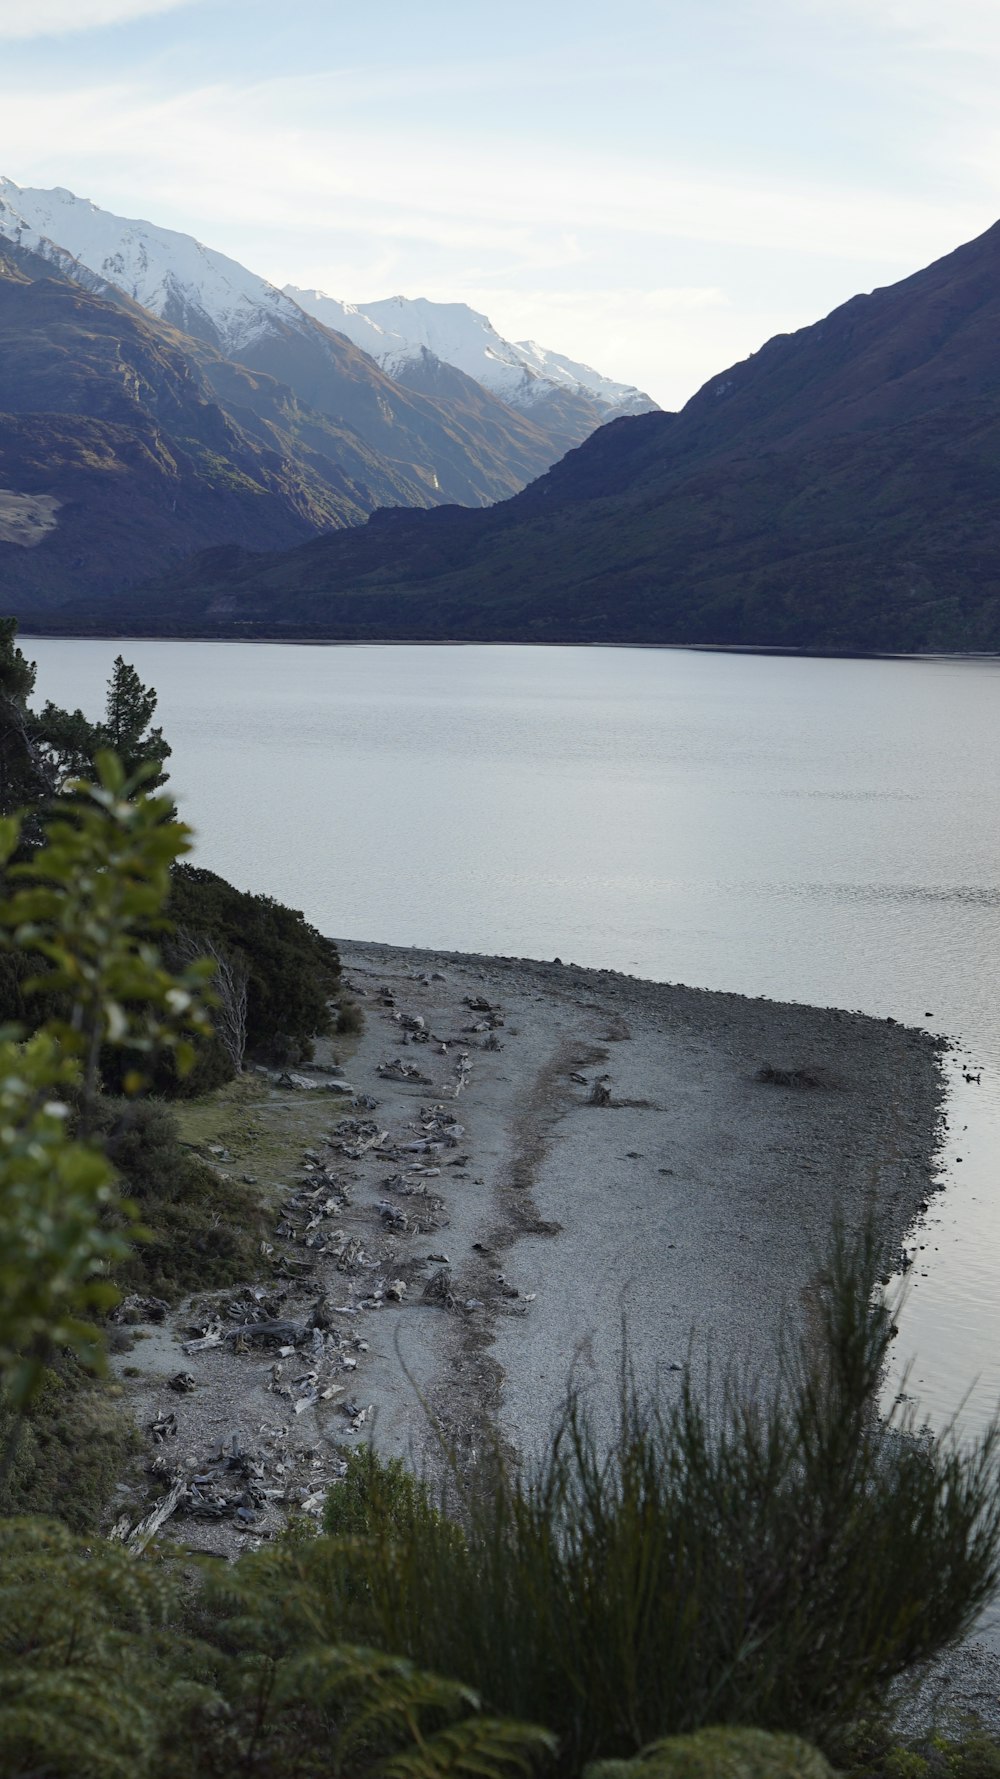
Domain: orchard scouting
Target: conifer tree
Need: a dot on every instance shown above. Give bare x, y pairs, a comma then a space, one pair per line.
128, 714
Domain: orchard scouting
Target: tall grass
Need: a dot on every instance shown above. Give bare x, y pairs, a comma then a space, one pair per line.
767, 1559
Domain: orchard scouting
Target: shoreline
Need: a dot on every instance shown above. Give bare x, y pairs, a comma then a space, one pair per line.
513, 1168
691, 1211
310, 640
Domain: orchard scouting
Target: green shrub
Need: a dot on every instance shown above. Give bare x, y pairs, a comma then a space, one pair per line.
68, 1451
378, 1497
210, 1069
82, 1694
350, 1019
294, 973
972, 1755
905, 1763
202, 1230
720, 1754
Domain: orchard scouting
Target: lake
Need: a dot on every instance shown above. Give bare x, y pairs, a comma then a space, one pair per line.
811, 830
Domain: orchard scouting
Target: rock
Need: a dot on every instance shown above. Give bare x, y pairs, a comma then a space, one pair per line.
182, 1382
139, 1309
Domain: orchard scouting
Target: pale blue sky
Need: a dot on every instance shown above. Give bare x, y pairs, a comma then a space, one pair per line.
653, 187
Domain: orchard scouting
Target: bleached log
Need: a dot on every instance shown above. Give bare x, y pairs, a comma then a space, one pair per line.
146, 1529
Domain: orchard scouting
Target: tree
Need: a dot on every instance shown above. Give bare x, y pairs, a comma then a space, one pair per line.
230, 984
23, 775
40, 751
128, 714
86, 904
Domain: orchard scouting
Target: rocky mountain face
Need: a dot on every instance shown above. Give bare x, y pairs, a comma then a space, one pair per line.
569, 400
136, 445
837, 490
455, 437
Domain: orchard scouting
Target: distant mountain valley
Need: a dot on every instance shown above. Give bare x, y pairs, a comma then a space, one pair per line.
223, 458
166, 398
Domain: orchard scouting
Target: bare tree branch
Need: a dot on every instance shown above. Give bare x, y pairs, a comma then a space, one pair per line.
229, 983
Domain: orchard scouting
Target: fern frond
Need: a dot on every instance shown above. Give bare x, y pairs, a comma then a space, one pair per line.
479, 1747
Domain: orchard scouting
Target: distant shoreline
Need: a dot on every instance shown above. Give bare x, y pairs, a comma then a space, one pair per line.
458, 642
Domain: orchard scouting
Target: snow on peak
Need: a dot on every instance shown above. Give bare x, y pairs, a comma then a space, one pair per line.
175, 276
212, 296
399, 328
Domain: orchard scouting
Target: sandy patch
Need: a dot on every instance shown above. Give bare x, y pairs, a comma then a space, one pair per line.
25, 519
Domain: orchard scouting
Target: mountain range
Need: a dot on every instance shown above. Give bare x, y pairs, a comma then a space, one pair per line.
838, 490
835, 491
158, 396
409, 336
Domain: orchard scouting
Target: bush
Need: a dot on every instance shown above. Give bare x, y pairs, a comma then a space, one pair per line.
68, 1451
211, 1068
768, 1562
350, 1019
375, 1496
294, 973
203, 1231
719, 1754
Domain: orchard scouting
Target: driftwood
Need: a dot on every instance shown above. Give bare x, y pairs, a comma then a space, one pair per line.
145, 1530
274, 1330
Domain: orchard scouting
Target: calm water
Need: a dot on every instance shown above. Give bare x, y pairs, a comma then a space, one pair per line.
823, 831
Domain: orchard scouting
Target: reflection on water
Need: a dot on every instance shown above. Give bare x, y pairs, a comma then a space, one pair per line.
824, 831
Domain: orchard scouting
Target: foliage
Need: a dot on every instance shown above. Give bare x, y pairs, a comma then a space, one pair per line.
96, 885
719, 1754
78, 1698
764, 1560
22, 776
200, 1230
41, 751
293, 973
302, 1701
379, 1495
67, 1450
970, 1754
126, 728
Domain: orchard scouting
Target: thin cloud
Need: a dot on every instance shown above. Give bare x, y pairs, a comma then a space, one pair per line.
247, 164
363, 209
56, 18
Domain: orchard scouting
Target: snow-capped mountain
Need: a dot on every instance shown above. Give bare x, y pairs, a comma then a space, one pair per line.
431, 387
399, 329
202, 292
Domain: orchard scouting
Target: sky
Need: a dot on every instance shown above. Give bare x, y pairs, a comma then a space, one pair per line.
651, 186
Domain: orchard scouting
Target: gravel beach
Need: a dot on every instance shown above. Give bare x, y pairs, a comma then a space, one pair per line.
518, 1161
690, 1208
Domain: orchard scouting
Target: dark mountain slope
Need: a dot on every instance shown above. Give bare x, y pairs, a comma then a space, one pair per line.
840, 489
460, 444
125, 424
